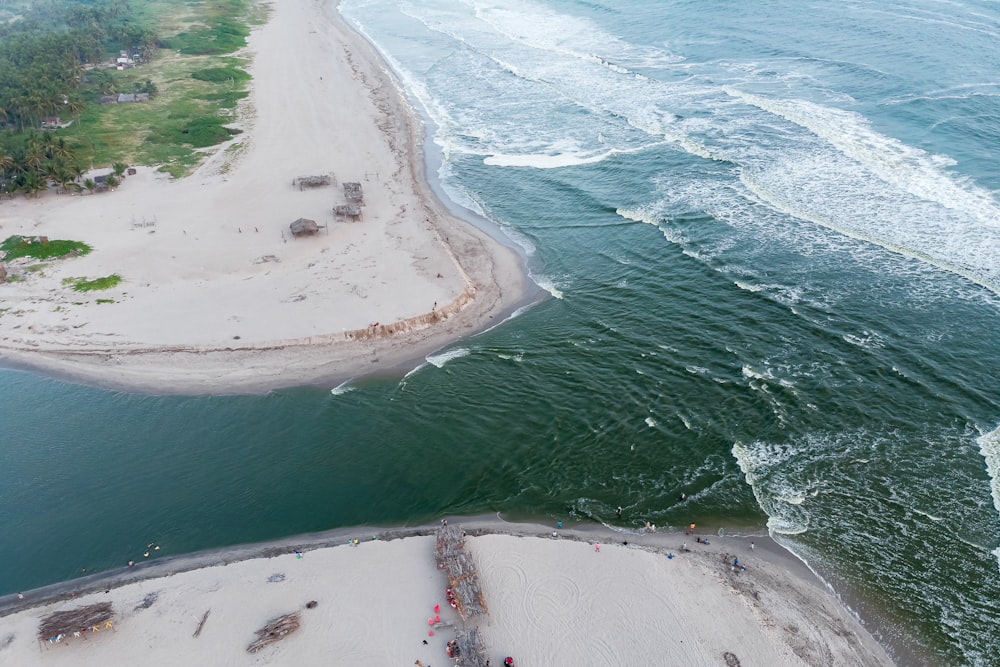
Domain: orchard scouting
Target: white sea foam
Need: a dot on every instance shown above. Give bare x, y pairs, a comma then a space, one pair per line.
439, 360
413, 370
650, 422
342, 388
547, 284
546, 161
757, 461
866, 339
989, 446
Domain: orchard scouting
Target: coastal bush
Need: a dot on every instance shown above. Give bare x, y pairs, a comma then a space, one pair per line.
198, 132
22, 246
225, 37
220, 74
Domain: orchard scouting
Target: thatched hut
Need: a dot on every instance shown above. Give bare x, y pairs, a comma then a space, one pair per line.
312, 181
348, 210
304, 227
352, 192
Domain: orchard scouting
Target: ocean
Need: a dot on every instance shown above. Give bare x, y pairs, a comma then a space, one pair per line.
770, 234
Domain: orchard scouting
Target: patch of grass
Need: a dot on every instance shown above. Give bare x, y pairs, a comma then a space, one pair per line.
84, 285
105, 301
22, 246
226, 36
220, 75
38, 268
198, 132
188, 112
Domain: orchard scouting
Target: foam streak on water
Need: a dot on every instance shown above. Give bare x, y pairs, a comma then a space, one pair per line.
989, 445
546, 89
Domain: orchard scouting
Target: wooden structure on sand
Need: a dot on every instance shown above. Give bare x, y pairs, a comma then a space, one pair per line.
352, 211
312, 181
352, 193
304, 227
464, 593
76, 622
462, 577
276, 630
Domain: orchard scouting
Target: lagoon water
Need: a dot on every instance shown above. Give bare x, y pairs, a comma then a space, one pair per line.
771, 235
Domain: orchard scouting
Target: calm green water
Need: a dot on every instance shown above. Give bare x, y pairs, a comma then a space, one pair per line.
754, 245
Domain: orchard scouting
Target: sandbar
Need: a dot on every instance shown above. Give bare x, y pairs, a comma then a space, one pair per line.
217, 295
552, 598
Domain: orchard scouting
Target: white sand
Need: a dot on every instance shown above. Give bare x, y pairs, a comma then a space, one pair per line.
552, 602
201, 308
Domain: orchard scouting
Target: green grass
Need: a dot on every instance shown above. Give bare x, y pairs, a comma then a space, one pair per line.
105, 301
21, 246
84, 285
220, 75
225, 36
198, 90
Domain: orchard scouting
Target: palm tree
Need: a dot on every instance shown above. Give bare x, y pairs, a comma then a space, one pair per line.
6, 162
31, 184
119, 168
89, 184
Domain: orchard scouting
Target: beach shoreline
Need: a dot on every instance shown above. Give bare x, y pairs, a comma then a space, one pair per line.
242, 307
774, 594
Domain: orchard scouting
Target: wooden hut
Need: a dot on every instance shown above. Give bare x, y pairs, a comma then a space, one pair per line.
352, 193
304, 227
352, 211
312, 181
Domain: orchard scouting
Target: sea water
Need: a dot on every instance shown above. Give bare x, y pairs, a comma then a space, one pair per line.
771, 236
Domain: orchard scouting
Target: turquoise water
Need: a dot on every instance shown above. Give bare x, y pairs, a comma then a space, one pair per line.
771, 238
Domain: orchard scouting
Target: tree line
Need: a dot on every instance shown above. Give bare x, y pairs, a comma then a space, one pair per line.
44, 59
43, 55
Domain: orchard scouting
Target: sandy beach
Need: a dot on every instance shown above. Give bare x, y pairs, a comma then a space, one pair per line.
552, 596
217, 296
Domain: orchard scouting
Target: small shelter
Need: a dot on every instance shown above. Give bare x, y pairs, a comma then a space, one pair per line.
352, 193
348, 210
304, 227
312, 181
101, 182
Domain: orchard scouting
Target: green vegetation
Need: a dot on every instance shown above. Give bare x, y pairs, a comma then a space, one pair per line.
225, 36
194, 88
220, 75
105, 301
84, 285
22, 246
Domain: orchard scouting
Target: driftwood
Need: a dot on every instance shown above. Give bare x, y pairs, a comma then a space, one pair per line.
75, 620
276, 630
202, 624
